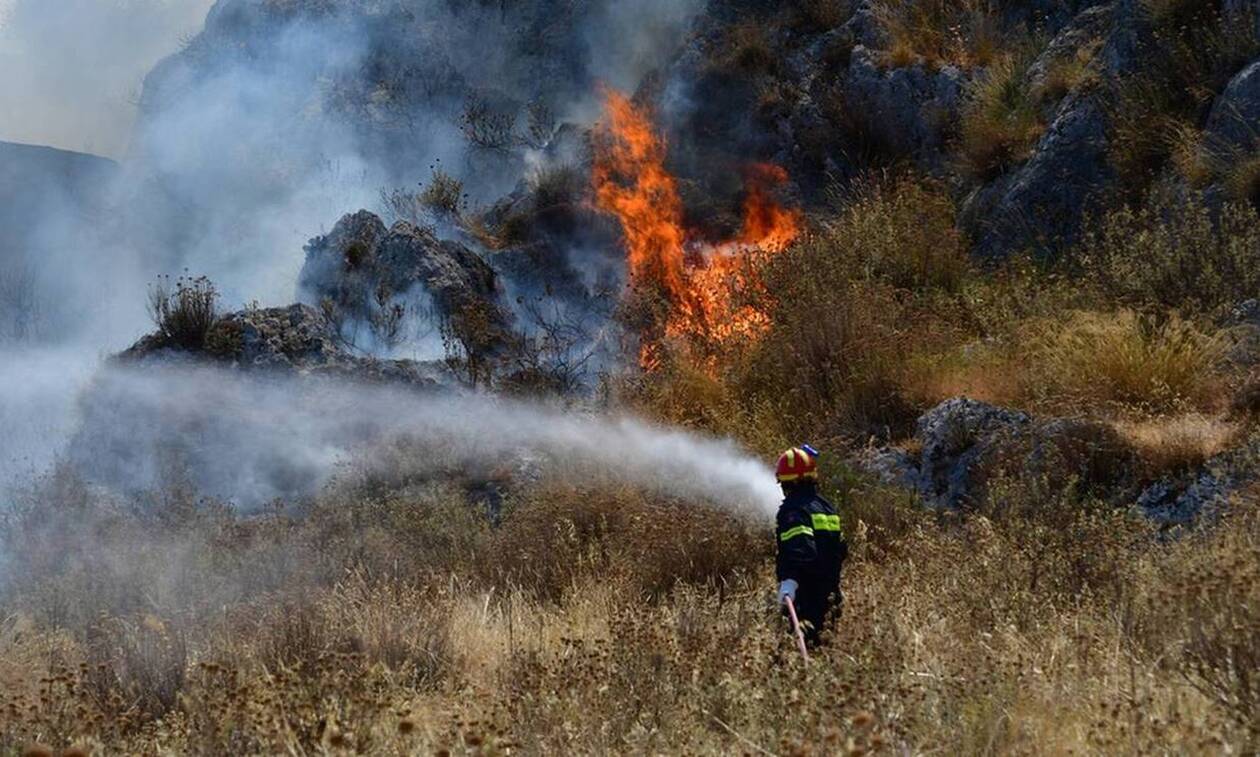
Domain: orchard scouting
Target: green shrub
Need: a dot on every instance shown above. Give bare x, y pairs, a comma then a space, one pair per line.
902, 233
1174, 253
1001, 121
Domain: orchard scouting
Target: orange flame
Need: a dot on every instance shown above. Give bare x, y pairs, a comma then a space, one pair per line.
700, 279
632, 184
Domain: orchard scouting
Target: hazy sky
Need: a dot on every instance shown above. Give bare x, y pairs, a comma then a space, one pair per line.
71, 70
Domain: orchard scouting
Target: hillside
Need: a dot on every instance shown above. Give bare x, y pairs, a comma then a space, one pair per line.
36, 183
497, 479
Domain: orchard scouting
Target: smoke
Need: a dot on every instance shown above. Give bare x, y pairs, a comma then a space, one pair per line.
250, 138
257, 133
70, 70
36, 412
249, 440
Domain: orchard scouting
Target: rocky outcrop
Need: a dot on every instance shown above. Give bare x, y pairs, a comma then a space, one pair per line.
963, 445
1040, 206
1204, 493
361, 269
295, 340
914, 105
1084, 32
36, 180
1234, 122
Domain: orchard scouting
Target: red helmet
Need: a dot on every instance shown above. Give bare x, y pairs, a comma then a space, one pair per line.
797, 464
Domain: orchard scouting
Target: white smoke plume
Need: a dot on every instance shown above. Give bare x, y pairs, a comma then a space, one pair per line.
249, 440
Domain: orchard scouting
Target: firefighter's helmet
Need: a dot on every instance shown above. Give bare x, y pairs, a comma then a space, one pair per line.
797, 464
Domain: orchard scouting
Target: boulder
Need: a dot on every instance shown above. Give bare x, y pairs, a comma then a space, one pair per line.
1041, 205
1232, 124
361, 268
954, 437
913, 105
964, 444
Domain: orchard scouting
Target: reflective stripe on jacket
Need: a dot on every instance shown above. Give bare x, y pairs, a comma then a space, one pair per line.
810, 543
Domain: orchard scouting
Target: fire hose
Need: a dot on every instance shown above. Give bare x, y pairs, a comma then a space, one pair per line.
796, 629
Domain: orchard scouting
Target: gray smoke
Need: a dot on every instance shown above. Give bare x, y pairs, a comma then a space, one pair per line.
70, 70
259, 132
250, 138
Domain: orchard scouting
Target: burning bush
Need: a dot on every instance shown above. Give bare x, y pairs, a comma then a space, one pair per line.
700, 280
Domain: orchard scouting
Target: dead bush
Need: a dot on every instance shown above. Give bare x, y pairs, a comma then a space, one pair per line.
1209, 598
444, 194
557, 536
556, 185
486, 127
185, 313
144, 660
748, 49
819, 15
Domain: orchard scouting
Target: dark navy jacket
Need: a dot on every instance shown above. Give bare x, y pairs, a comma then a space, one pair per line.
811, 545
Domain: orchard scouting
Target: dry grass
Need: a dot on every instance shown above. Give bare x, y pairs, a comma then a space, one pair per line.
1068, 74
1179, 443
1021, 633
964, 33
395, 615
1199, 51
1001, 122
1204, 162
1124, 359
977, 371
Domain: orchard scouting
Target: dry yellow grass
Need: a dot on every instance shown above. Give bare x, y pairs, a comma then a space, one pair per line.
984, 642
1180, 442
1122, 358
965, 33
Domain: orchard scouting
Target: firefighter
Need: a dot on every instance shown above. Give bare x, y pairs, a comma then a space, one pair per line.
811, 548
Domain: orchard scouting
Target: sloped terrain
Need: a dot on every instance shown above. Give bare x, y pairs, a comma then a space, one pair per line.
497, 481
